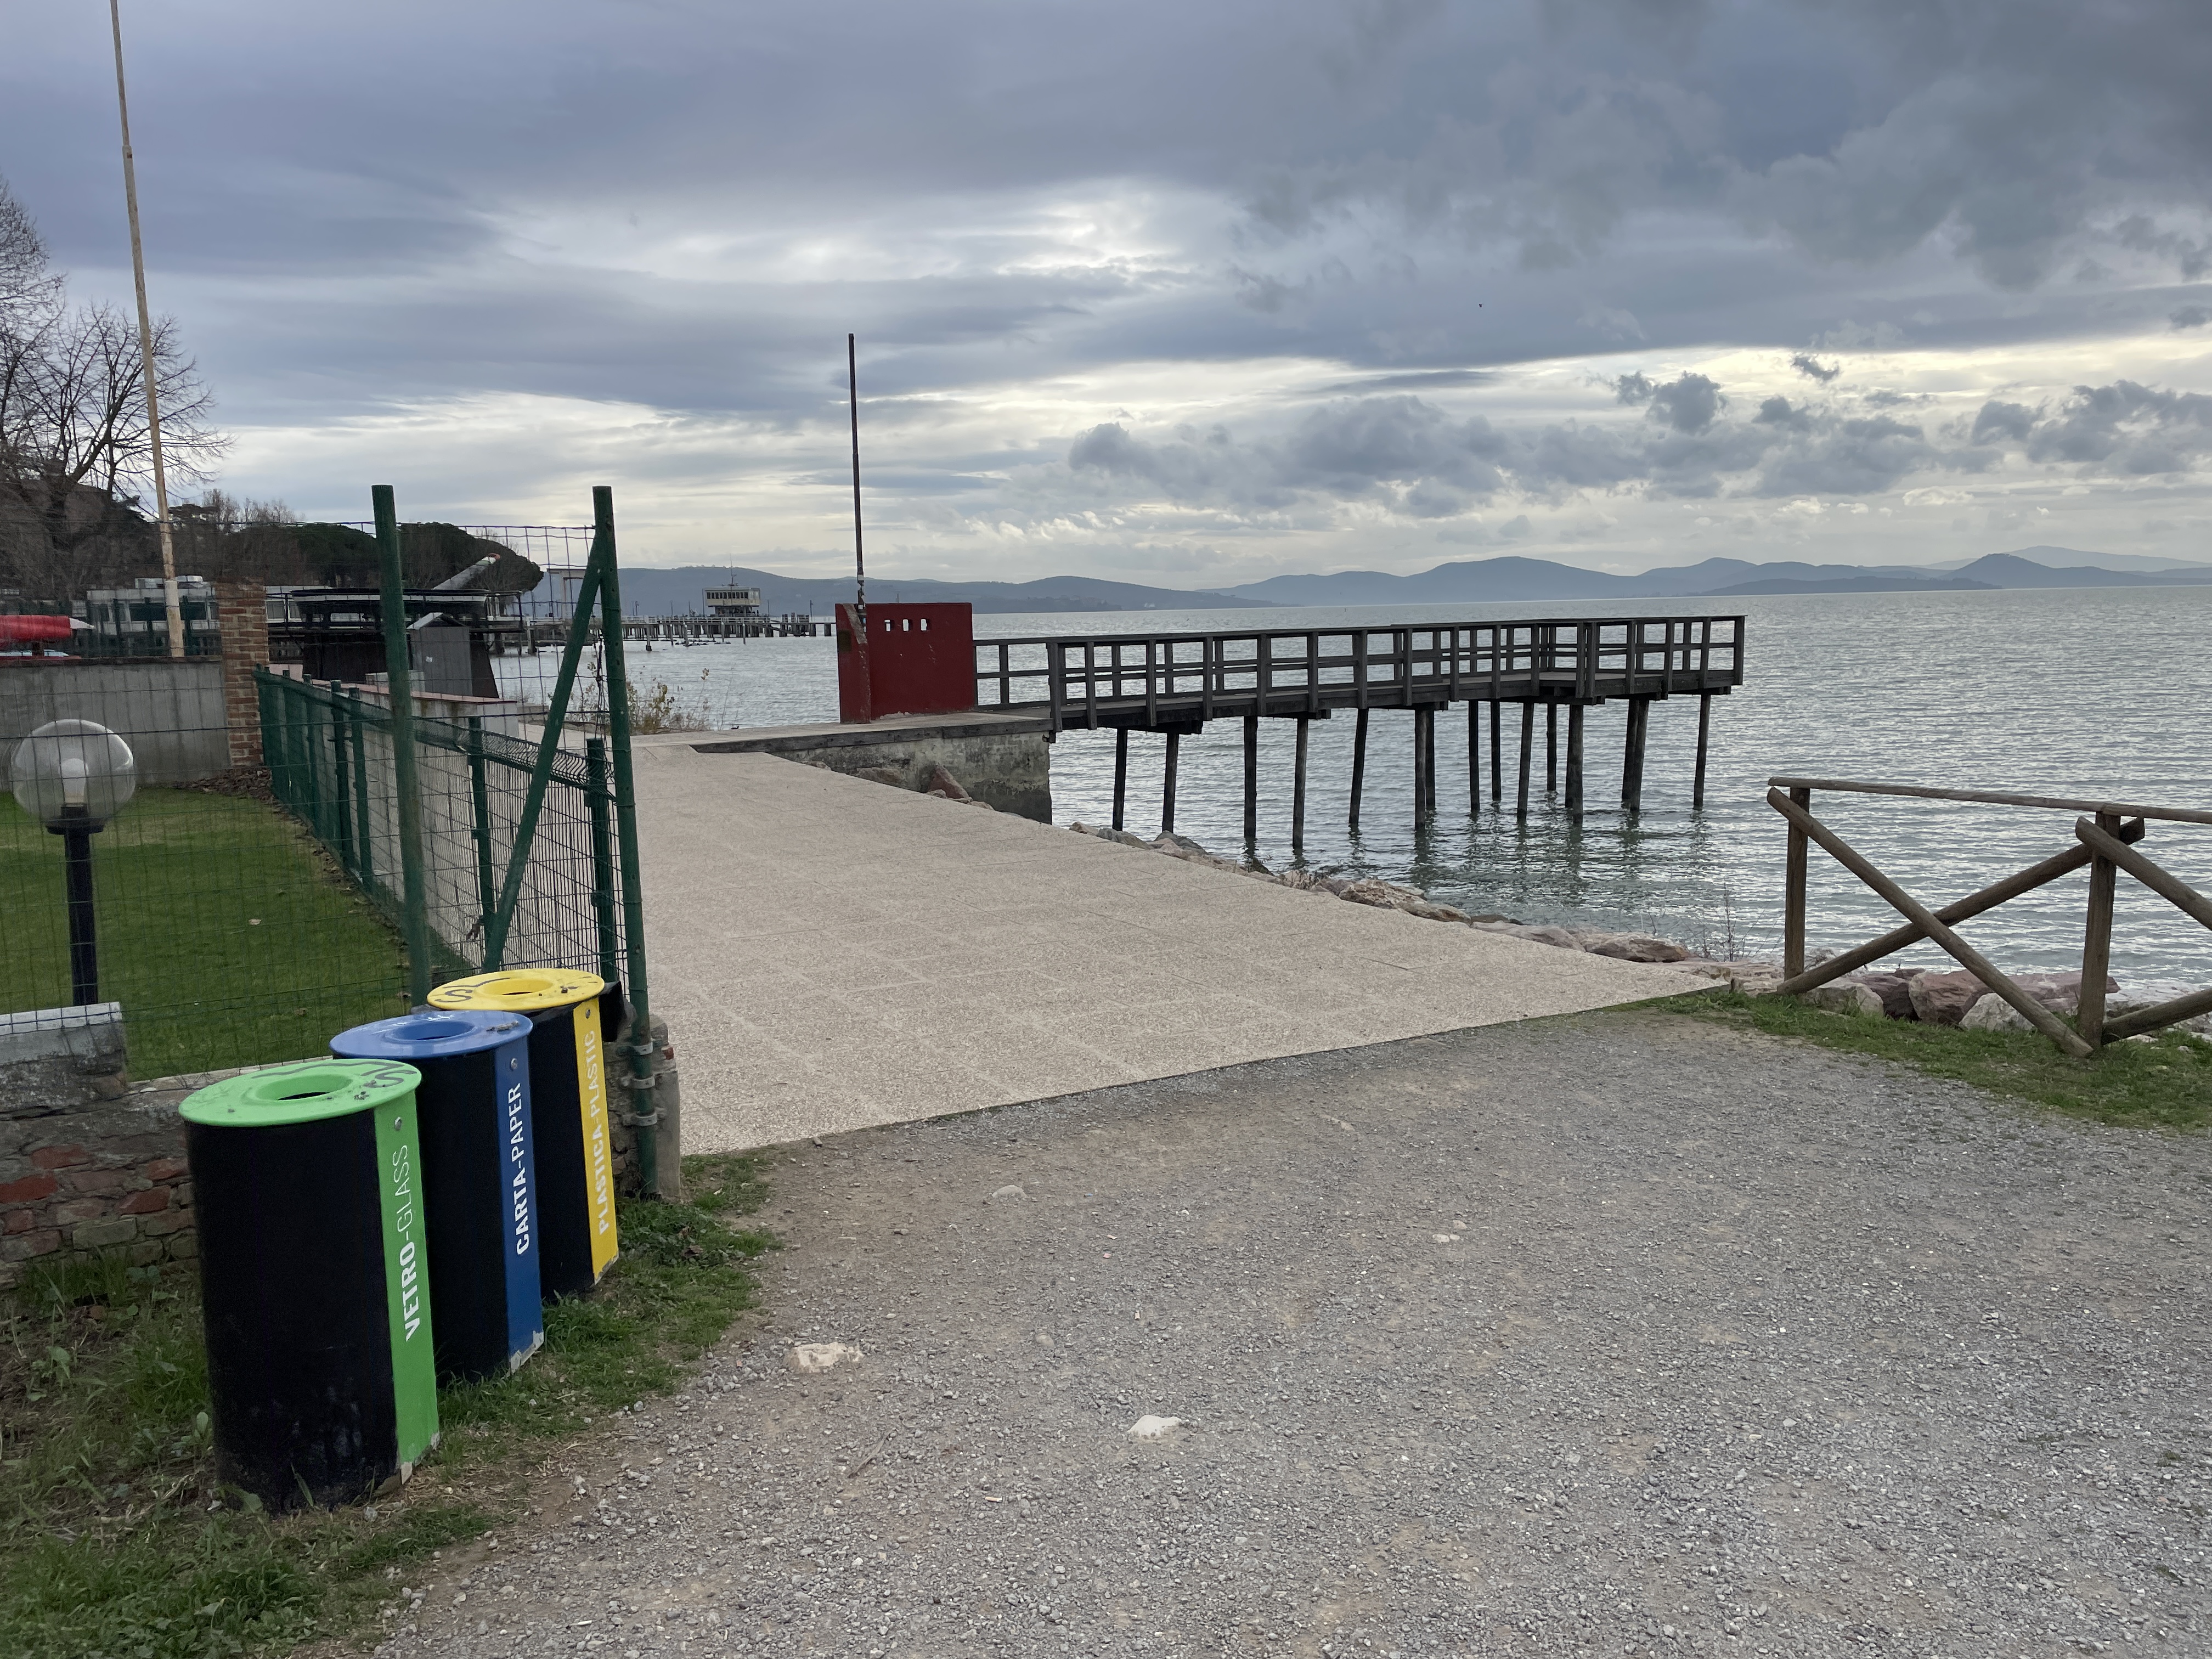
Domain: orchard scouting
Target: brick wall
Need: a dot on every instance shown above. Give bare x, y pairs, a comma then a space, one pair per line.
103, 1178
242, 609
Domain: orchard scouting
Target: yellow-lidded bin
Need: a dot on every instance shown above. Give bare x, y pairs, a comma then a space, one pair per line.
571, 1015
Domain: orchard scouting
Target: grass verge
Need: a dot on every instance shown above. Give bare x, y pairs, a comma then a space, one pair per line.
115, 1542
2165, 1084
228, 936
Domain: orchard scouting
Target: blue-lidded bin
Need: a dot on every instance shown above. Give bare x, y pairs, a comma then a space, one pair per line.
479, 1180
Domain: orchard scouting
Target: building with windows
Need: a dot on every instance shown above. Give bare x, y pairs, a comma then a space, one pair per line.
734, 602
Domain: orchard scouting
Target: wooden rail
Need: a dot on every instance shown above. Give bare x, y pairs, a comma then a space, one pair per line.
1180, 681
2105, 842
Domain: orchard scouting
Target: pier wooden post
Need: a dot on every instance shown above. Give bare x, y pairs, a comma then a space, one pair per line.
1474, 757
1298, 792
1359, 764
1551, 749
1575, 761
1705, 731
1120, 773
1251, 777
1167, 792
1793, 894
2097, 938
1429, 763
1527, 748
1497, 757
1420, 792
1631, 755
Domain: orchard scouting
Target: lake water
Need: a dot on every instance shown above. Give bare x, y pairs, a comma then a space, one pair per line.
2098, 693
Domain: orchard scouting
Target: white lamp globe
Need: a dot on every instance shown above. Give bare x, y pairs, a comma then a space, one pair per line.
67, 764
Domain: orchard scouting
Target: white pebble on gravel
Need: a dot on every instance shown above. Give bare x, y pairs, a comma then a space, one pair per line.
822, 1356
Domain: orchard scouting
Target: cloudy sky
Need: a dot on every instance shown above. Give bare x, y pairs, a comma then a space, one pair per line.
1191, 293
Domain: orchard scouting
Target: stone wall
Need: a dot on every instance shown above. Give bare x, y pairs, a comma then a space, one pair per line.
109, 1177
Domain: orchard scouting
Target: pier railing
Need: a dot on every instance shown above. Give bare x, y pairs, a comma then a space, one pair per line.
2104, 836
1149, 679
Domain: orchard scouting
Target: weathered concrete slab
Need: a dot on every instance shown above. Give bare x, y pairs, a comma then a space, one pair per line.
832, 953
1003, 759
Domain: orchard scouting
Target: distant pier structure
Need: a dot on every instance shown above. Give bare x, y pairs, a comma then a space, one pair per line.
1171, 685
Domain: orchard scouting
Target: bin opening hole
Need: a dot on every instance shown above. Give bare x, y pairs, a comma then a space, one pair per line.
305, 1085
432, 1030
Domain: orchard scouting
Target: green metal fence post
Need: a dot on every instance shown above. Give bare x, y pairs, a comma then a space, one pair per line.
342, 794
480, 821
603, 856
365, 837
415, 915
644, 1116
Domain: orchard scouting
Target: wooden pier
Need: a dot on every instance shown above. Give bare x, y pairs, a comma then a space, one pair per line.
1173, 683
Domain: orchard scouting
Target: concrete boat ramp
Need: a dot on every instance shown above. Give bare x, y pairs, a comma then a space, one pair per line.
832, 953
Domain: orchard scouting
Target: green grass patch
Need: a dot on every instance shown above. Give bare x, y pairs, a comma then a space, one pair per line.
2165, 1084
224, 931
115, 1542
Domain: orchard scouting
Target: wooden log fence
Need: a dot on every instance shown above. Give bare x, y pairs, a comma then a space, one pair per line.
2106, 842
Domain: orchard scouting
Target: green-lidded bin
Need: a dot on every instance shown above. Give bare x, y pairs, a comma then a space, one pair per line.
314, 1277
573, 1015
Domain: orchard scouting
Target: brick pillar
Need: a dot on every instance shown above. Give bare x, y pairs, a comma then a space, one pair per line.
242, 613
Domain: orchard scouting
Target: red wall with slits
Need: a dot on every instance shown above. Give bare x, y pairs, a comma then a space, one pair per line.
920, 660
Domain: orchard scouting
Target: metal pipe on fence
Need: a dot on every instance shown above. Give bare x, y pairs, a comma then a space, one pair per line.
642, 1050
603, 857
480, 821
415, 915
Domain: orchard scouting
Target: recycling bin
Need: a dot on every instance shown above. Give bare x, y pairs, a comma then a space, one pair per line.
571, 1015
313, 1264
479, 1184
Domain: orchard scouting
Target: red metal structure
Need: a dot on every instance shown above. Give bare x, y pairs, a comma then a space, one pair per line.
921, 660
36, 630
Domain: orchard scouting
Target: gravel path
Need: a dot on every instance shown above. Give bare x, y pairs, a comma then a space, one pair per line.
1620, 1333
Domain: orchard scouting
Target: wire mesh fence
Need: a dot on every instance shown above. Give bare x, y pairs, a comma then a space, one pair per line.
330, 763
247, 903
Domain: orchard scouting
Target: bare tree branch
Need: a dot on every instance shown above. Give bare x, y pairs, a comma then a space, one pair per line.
75, 453
29, 290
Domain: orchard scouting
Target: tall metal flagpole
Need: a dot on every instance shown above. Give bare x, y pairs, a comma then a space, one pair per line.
146, 354
860, 563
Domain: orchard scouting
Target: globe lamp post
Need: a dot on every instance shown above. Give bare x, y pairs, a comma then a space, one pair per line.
73, 776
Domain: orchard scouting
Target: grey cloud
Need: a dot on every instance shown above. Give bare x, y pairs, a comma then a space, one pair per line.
1998, 420
2189, 317
1422, 463
1687, 403
2191, 256
2125, 428
543, 205
1813, 368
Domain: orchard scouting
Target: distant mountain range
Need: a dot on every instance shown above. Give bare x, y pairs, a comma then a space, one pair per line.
681, 590
1476, 581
